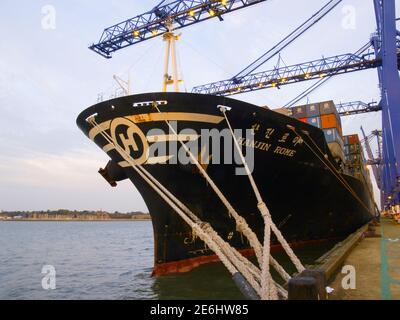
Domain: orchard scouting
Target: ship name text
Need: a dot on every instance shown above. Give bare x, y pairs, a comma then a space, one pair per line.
260, 145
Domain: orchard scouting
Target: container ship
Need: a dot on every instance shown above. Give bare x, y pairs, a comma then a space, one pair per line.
312, 178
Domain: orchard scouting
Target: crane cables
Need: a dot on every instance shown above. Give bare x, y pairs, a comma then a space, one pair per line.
296, 33
322, 81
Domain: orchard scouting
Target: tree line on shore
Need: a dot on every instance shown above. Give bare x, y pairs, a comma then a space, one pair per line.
73, 214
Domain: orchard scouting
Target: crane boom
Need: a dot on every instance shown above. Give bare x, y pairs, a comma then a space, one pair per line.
322, 81
357, 107
277, 77
164, 17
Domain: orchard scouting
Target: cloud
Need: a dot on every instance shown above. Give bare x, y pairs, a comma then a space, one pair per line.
42, 180
72, 169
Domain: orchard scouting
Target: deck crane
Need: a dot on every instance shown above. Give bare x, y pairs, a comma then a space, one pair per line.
181, 13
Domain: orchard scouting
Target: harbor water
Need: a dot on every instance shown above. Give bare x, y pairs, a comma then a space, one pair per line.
103, 260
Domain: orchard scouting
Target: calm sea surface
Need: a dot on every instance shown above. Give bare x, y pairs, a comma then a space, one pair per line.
102, 260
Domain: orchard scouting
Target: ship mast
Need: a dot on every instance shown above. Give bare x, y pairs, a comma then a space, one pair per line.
170, 53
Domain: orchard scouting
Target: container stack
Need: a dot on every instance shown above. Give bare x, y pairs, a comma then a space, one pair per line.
352, 150
324, 115
354, 159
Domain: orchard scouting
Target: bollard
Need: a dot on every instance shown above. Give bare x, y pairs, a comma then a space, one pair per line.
303, 288
244, 287
371, 232
319, 276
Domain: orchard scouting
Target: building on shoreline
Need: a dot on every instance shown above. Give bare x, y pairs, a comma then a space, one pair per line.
66, 215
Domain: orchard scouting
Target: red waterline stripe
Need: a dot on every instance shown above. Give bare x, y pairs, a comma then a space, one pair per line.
186, 265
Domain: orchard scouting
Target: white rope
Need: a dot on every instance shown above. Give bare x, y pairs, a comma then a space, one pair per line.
261, 204
229, 256
241, 224
266, 280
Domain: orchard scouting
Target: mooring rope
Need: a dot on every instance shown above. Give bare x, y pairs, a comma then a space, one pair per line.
269, 224
261, 280
241, 223
228, 255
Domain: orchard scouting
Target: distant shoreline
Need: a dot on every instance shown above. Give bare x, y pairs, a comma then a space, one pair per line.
68, 215
72, 220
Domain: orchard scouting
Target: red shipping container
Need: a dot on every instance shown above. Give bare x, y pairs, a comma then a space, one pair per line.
353, 139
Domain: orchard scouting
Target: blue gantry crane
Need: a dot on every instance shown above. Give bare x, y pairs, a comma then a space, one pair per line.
357, 107
285, 75
385, 57
385, 43
158, 21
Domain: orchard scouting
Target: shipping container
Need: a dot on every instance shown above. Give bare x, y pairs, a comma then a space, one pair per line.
354, 148
315, 121
329, 121
332, 135
299, 112
327, 107
312, 110
353, 139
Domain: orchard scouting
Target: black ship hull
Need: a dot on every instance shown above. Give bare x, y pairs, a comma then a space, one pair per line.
307, 201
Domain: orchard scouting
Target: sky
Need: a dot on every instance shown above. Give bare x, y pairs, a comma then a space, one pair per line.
48, 76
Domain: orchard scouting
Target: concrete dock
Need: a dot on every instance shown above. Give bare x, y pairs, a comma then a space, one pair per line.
376, 262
